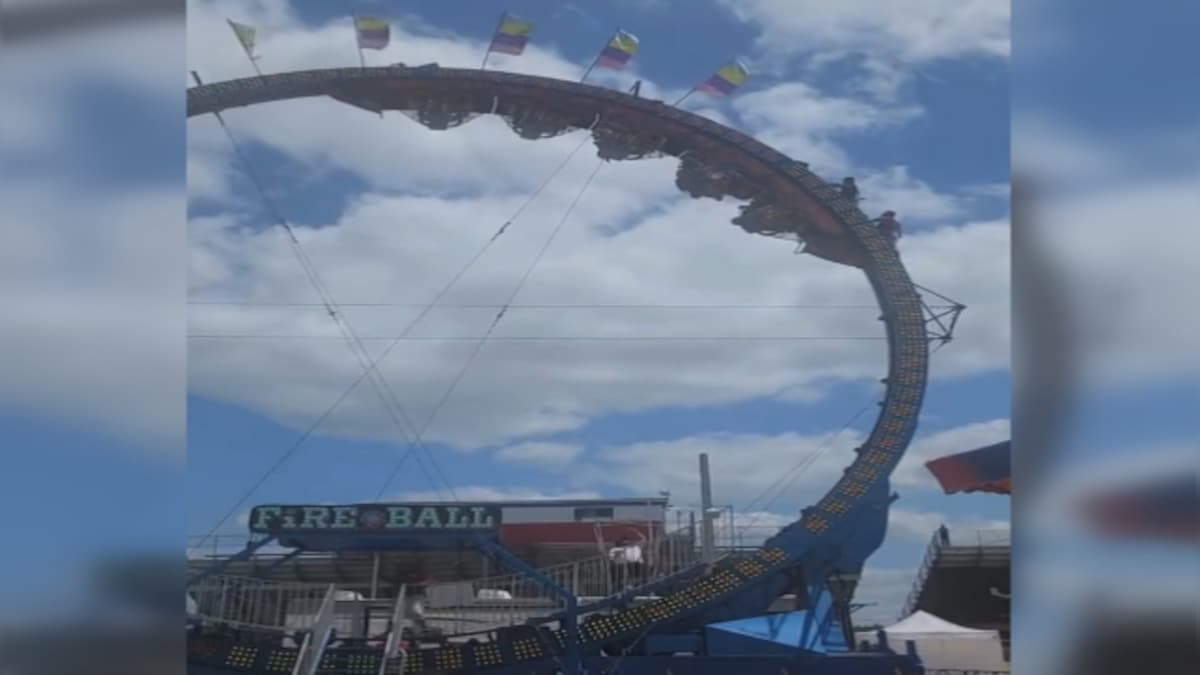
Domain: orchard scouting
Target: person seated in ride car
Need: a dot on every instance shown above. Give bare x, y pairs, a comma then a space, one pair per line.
889, 226
849, 189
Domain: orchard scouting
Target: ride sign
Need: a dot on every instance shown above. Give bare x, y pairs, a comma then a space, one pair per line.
374, 518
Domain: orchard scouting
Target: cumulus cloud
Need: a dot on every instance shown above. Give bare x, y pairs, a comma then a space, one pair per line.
756, 470
74, 266
1120, 318
906, 527
554, 455
884, 589
616, 250
803, 122
909, 31
912, 473
759, 473
633, 240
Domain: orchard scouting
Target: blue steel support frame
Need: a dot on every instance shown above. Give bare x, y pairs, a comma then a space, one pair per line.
573, 663
815, 591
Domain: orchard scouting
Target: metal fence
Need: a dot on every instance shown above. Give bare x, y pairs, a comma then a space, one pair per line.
285, 606
953, 538
256, 603
468, 606
200, 547
981, 538
476, 605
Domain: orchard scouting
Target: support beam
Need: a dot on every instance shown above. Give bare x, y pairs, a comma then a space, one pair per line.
572, 659
375, 576
270, 569
706, 524
224, 564
321, 631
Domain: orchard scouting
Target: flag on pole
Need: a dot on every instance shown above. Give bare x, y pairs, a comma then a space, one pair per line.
373, 33
245, 35
618, 51
726, 79
511, 36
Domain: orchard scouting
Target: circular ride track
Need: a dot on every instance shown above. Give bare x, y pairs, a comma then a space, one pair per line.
785, 200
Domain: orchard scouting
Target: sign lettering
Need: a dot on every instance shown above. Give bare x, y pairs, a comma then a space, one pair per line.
383, 518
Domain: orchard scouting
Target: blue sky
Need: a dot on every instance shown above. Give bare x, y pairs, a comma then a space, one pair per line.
937, 107
926, 134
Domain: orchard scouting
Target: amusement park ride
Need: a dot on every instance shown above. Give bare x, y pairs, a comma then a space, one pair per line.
708, 618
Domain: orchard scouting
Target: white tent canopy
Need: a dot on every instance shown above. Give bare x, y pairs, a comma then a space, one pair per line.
942, 645
921, 623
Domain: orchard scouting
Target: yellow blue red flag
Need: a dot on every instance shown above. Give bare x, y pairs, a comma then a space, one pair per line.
373, 32
511, 35
726, 79
618, 51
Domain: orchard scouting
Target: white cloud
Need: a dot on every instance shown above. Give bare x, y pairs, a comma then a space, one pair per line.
483, 493
964, 529
792, 116
402, 249
791, 469
908, 31
89, 343
798, 120
67, 285
906, 527
911, 472
912, 199
884, 589
989, 191
970, 265
1133, 327
1102, 204
551, 455
761, 471
378, 246
418, 222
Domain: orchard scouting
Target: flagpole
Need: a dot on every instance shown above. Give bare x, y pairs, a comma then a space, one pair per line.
245, 50
589, 69
362, 61
491, 40
595, 60
681, 98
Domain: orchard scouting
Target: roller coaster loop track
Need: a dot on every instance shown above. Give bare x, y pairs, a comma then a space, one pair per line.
628, 127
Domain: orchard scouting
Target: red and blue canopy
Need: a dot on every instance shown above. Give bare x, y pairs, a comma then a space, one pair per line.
986, 469
1163, 508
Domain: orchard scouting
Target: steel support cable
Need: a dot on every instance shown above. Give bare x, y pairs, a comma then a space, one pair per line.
251, 303
789, 477
551, 338
418, 435
373, 364
380, 384
330, 306
458, 378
